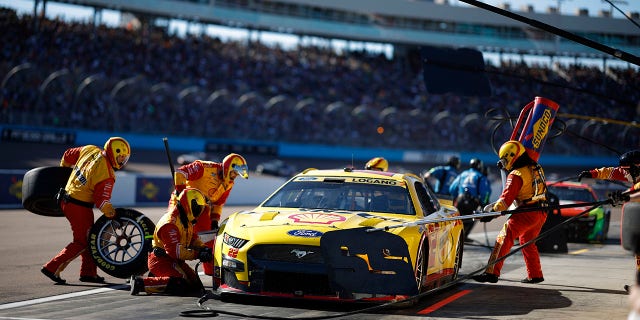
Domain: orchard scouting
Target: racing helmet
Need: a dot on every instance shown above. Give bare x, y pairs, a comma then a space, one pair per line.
377, 163
631, 160
476, 163
193, 203
509, 152
454, 161
117, 152
234, 162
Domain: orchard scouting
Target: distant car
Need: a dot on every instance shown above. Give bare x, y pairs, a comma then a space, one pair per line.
276, 167
187, 158
313, 239
592, 227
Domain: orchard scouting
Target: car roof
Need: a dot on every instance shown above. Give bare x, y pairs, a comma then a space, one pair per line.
358, 172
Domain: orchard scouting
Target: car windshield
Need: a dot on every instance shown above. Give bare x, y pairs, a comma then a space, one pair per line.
337, 194
573, 194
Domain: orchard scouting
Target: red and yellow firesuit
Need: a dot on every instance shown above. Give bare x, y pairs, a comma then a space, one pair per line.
208, 177
615, 173
526, 186
619, 174
173, 243
91, 183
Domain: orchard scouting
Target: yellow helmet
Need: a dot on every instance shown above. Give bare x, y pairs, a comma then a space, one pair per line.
234, 162
377, 163
117, 151
193, 204
509, 152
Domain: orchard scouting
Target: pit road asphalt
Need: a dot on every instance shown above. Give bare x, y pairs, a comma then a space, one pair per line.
585, 283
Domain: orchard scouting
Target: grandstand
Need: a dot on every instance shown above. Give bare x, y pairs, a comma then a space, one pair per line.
145, 80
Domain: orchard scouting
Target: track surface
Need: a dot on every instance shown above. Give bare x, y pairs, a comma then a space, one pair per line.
587, 283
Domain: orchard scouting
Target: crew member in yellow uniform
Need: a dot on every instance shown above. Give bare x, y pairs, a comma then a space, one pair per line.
90, 184
377, 163
525, 184
215, 180
175, 241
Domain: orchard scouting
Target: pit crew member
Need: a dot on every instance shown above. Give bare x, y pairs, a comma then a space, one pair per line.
90, 184
174, 241
526, 186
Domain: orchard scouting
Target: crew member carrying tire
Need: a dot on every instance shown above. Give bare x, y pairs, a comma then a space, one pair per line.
90, 184
215, 180
174, 242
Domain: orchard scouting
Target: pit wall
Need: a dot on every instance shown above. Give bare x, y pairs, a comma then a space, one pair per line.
135, 190
153, 190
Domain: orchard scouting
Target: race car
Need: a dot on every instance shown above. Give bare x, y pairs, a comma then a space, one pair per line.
592, 227
344, 235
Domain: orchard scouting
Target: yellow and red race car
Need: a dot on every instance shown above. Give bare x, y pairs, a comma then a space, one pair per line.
356, 235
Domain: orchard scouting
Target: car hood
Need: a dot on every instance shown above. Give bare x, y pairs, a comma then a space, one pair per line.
275, 224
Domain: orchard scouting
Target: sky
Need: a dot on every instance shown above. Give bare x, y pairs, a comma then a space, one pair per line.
110, 17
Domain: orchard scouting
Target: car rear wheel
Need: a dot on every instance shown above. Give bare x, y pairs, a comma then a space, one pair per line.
120, 246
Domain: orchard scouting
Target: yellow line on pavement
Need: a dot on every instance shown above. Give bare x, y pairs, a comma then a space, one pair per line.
579, 251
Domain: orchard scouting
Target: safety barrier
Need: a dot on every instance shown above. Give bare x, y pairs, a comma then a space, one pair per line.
133, 189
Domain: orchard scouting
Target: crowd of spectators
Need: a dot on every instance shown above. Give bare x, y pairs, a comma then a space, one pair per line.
77, 75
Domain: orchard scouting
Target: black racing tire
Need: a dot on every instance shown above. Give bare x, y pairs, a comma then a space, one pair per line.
120, 247
39, 188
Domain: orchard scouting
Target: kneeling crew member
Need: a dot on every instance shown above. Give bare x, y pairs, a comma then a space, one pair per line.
175, 241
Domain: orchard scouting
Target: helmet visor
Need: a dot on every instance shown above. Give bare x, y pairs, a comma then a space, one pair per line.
502, 164
122, 160
241, 169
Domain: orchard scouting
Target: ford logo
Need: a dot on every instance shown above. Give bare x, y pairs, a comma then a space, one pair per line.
305, 233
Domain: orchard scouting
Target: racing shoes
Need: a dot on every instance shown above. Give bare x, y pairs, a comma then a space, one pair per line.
92, 279
52, 276
532, 280
137, 285
486, 277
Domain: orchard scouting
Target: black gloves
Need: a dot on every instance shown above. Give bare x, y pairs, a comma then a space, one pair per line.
584, 174
618, 197
205, 254
488, 208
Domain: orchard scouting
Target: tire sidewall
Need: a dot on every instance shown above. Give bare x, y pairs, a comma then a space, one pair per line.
134, 266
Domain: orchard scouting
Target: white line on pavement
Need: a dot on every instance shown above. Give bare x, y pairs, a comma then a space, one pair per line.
59, 297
